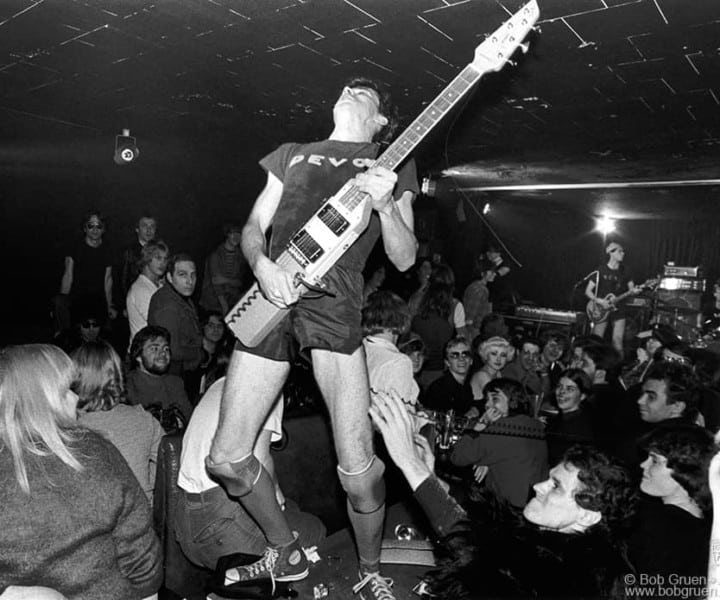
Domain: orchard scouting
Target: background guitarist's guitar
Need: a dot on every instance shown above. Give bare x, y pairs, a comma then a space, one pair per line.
317, 245
599, 314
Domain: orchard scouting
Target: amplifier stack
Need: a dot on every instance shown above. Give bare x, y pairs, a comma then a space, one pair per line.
679, 298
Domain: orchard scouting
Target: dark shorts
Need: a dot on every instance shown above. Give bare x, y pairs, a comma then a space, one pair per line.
329, 321
617, 315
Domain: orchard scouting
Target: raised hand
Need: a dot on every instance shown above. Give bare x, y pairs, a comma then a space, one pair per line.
392, 419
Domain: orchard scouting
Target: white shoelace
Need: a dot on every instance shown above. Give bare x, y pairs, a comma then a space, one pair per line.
381, 586
265, 564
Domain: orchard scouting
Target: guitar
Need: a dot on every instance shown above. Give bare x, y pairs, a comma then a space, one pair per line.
599, 314
316, 246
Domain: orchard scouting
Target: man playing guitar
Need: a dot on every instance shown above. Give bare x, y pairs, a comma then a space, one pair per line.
299, 177
612, 280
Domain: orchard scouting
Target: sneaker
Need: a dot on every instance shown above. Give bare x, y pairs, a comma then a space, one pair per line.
279, 563
372, 586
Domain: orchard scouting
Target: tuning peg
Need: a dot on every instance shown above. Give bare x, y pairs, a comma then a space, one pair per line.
525, 47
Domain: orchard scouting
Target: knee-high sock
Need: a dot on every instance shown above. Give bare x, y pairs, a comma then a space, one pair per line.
368, 529
262, 505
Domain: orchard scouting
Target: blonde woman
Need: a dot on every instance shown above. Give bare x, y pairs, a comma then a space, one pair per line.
73, 517
495, 353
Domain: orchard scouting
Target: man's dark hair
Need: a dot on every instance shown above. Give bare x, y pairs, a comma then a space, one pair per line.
606, 487
580, 378
149, 332
528, 339
387, 107
97, 214
411, 342
229, 226
146, 213
518, 399
176, 258
205, 319
556, 335
605, 357
385, 310
681, 385
688, 450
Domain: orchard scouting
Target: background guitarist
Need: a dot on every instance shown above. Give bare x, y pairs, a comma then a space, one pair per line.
300, 177
613, 279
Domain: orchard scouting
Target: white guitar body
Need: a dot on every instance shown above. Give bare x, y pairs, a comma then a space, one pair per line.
326, 236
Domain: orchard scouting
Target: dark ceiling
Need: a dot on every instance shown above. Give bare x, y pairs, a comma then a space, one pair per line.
610, 90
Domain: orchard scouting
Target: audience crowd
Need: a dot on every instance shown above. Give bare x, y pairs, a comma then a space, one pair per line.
547, 465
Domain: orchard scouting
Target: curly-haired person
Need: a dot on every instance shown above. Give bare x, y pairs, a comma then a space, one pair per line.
568, 541
671, 536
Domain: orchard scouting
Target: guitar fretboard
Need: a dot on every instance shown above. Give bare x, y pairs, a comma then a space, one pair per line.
399, 150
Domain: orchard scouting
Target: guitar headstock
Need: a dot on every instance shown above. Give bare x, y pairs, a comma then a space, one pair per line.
500, 45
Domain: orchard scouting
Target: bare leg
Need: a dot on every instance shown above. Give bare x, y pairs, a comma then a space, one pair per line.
618, 335
599, 329
252, 386
343, 382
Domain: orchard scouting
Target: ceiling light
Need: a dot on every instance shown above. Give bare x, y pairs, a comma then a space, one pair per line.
605, 224
486, 208
126, 150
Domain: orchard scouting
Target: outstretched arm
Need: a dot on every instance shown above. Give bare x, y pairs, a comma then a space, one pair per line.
408, 452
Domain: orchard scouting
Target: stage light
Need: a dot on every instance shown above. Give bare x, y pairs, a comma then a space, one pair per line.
605, 225
126, 150
428, 187
486, 208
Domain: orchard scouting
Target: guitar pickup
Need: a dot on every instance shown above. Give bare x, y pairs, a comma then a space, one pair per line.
332, 219
304, 248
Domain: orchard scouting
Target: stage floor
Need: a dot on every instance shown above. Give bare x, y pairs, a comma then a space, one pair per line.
337, 568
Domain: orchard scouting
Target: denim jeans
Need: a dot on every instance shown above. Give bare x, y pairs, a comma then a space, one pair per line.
210, 524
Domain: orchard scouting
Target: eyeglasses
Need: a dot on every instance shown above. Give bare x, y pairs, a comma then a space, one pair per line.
94, 226
456, 355
89, 323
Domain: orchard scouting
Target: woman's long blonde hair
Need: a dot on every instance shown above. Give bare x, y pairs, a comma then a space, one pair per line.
36, 416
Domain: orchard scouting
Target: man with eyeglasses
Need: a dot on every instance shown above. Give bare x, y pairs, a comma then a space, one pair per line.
452, 390
87, 279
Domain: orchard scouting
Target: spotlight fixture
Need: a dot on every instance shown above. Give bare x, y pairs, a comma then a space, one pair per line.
429, 187
605, 225
126, 150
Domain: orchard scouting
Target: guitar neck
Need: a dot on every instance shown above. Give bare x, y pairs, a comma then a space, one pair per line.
622, 297
401, 148
428, 118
